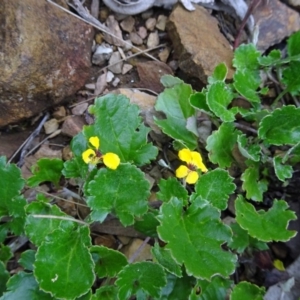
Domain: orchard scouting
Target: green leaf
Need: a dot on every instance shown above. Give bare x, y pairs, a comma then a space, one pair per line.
294, 44
174, 103
246, 82
293, 153
63, 260
270, 59
87, 296
108, 262
138, 279
247, 291
106, 292
268, 225
120, 129
46, 170
215, 187
242, 240
282, 171
252, 185
219, 74
218, 97
177, 288
147, 223
196, 235
246, 57
11, 184
75, 168
164, 258
171, 188
27, 259
217, 288
221, 143
37, 229
248, 150
4, 276
281, 127
78, 145
5, 253
3, 232
198, 101
169, 81
123, 192
291, 77
24, 286
17, 211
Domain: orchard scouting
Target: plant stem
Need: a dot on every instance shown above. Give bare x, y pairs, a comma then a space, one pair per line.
61, 218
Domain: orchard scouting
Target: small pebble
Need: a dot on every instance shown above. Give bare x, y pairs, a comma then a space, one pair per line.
128, 24
109, 76
116, 82
51, 126
126, 68
116, 67
136, 39
79, 109
142, 32
164, 54
150, 24
59, 113
161, 22
153, 40
102, 54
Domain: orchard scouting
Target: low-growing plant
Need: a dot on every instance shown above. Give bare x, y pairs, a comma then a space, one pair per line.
194, 252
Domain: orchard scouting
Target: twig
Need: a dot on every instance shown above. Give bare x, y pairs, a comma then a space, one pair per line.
30, 139
139, 250
96, 25
252, 7
63, 199
60, 218
133, 55
245, 127
55, 133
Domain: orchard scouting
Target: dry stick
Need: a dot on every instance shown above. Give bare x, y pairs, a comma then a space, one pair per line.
60, 218
55, 133
101, 27
252, 7
63, 199
139, 250
30, 139
133, 55
245, 127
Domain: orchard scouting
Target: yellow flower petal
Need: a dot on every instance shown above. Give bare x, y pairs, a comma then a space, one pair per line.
192, 177
197, 161
111, 160
185, 155
203, 168
182, 172
196, 158
94, 141
88, 155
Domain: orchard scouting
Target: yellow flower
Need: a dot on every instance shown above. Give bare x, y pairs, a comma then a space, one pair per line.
111, 160
194, 162
90, 156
